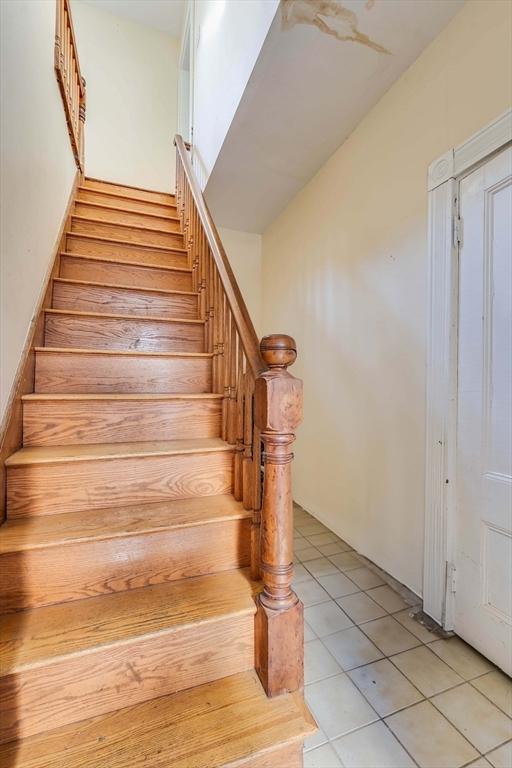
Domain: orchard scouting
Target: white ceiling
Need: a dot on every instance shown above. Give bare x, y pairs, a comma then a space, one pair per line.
321, 69
164, 15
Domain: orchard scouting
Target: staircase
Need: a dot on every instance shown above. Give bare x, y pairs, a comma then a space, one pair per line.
135, 627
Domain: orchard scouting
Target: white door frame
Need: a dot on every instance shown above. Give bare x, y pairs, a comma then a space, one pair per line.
444, 236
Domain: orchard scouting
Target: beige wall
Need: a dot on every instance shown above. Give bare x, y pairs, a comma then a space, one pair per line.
132, 75
36, 171
345, 272
244, 254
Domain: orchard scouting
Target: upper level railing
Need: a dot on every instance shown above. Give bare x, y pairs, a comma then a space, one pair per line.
262, 407
71, 82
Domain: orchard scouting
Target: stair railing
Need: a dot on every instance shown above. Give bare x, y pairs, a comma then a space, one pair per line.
71, 83
261, 409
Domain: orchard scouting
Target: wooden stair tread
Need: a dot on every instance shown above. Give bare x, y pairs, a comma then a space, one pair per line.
217, 724
128, 210
131, 318
93, 220
130, 188
30, 533
120, 396
32, 637
127, 243
119, 260
134, 197
71, 281
132, 352
52, 454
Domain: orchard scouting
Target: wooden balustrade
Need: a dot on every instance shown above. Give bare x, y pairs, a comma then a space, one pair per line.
261, 405
71, 83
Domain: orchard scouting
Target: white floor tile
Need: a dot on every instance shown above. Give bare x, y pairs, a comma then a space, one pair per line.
326, 618
318, 662
372, 747
338, 706
483, 724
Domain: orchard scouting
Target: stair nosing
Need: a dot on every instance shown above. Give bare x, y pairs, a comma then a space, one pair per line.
117, 260
119, 285
126, 352
119, 455
129, 186
127, 243
107, 222
209, 519
149, 318
144, 396
126, 210
81, 188
43, 661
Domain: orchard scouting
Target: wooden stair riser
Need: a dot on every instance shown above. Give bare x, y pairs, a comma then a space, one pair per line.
71, 486
129, 234
125, 251
94, 372
139, 206
126, 191
88, 297
93, 332
88, 421
106, 678
120, 216
105, 271
56, 574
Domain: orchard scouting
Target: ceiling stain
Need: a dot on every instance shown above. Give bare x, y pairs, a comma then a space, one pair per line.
330, 17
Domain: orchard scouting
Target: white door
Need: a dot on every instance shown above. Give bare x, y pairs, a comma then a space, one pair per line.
483, 534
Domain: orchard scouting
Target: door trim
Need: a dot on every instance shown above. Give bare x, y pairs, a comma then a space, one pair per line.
444, 175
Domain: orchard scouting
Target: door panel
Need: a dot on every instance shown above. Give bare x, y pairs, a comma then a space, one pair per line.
483, 535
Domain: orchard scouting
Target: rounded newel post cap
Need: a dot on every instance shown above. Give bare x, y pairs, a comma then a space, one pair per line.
278, 350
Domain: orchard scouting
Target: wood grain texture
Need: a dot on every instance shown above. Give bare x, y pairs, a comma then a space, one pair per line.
125, 190
54, 530
126, 232
66, 453
125, 216
103, 270
126, 251
62, 573
282, 756
53, 488
66, 371
52, 420
125, 203
223, 723
101, 331
124, 300
120, 674
35, 637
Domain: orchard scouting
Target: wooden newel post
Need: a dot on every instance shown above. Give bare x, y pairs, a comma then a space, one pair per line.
279, 618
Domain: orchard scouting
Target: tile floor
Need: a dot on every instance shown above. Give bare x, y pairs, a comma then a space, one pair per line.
386, 692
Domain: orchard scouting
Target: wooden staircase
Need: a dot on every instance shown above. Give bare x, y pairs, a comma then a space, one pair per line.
135, 629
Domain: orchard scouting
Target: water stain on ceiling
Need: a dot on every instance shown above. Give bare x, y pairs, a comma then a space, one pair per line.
330, 17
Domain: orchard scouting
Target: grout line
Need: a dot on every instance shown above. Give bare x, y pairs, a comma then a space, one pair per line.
389, 657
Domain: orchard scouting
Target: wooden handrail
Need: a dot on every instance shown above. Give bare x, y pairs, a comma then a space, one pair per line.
236, 302
70, 80
261, 406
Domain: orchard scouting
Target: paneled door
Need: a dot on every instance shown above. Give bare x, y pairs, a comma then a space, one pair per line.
483, 524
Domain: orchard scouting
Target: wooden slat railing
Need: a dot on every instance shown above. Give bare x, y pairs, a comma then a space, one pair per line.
262, 407
71, 82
